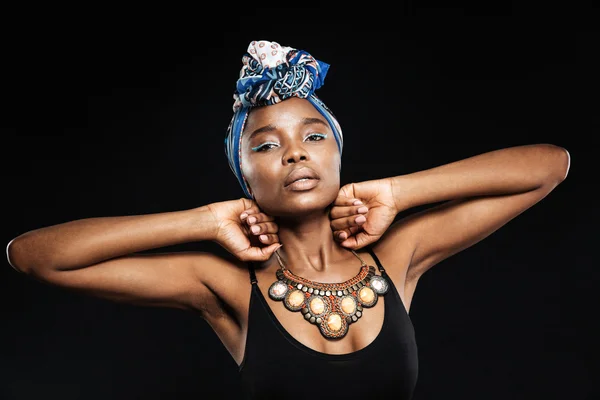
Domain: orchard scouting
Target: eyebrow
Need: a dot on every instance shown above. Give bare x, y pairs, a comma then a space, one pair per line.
271, 127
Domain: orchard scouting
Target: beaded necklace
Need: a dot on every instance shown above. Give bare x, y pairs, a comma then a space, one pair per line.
332, 307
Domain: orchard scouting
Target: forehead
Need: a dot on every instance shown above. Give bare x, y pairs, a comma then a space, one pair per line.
289, 113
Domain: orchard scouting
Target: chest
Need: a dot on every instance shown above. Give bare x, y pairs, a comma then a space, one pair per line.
298, 329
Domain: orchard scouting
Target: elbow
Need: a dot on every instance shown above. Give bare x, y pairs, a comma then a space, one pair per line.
561, 165
558, 162
12, 256
20, 256
565, 163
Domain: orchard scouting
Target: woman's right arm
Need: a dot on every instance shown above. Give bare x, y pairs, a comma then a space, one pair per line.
100, 256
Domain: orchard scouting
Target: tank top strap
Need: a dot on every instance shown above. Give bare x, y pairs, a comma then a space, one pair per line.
253, 279
372, 253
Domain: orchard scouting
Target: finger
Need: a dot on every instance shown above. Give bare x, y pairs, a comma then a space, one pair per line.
347, 211
265, 227
343, 223
250, 207
345, 195
268, 238
343, 200
344, 234
260, 253
258, 218
254, 210
361, 239
248, 203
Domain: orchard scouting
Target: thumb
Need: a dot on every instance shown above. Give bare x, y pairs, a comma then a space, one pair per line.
262, 253
360, 240
346, 197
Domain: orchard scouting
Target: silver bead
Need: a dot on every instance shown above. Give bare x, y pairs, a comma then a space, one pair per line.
379, 284
278, 290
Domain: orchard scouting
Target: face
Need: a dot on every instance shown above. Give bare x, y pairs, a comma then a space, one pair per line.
285, 142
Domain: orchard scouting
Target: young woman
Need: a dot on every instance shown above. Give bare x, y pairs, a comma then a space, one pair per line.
314, 299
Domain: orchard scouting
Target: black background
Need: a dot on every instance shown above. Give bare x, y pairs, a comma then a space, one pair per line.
114, 111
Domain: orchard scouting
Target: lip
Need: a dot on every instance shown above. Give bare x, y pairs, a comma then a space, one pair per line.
301, 173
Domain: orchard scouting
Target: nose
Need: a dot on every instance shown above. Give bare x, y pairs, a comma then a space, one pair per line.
295, 154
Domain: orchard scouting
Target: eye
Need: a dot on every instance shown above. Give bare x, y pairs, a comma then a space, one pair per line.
316, 137
264, 146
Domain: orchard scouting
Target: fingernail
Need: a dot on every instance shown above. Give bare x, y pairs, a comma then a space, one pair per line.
357, 202
263, 237
244, 215
362, 209
252, 220
255, 228
343, 235
360, 219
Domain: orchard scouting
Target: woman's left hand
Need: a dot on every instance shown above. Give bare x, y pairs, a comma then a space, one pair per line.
362, 212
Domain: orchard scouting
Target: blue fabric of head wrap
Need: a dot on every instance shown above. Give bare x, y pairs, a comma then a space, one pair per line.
270, 74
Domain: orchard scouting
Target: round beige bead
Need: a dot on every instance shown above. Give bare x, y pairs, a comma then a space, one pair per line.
348, 305
317, 306
296, 297
366, 294
334, 322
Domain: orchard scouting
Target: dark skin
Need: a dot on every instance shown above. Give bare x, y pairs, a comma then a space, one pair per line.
478, 195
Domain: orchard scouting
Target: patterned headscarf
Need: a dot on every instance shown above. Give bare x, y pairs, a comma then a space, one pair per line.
270, 74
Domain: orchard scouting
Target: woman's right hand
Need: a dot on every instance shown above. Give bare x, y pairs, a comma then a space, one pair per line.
236, 220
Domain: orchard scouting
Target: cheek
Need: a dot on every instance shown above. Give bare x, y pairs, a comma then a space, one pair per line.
256, 174
330, 170
337, 170
249, 172
335, 162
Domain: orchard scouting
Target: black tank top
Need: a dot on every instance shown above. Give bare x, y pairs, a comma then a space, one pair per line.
277, 366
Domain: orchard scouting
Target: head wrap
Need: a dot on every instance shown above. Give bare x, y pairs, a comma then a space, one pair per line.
270, 74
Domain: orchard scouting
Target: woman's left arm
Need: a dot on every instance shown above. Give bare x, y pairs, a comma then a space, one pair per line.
478, 195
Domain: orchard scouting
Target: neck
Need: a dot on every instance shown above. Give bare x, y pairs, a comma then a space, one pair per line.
309, 247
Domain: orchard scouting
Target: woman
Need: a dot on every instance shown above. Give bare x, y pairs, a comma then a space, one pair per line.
315, 296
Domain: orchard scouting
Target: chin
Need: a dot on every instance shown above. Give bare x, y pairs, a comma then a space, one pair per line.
298, 203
